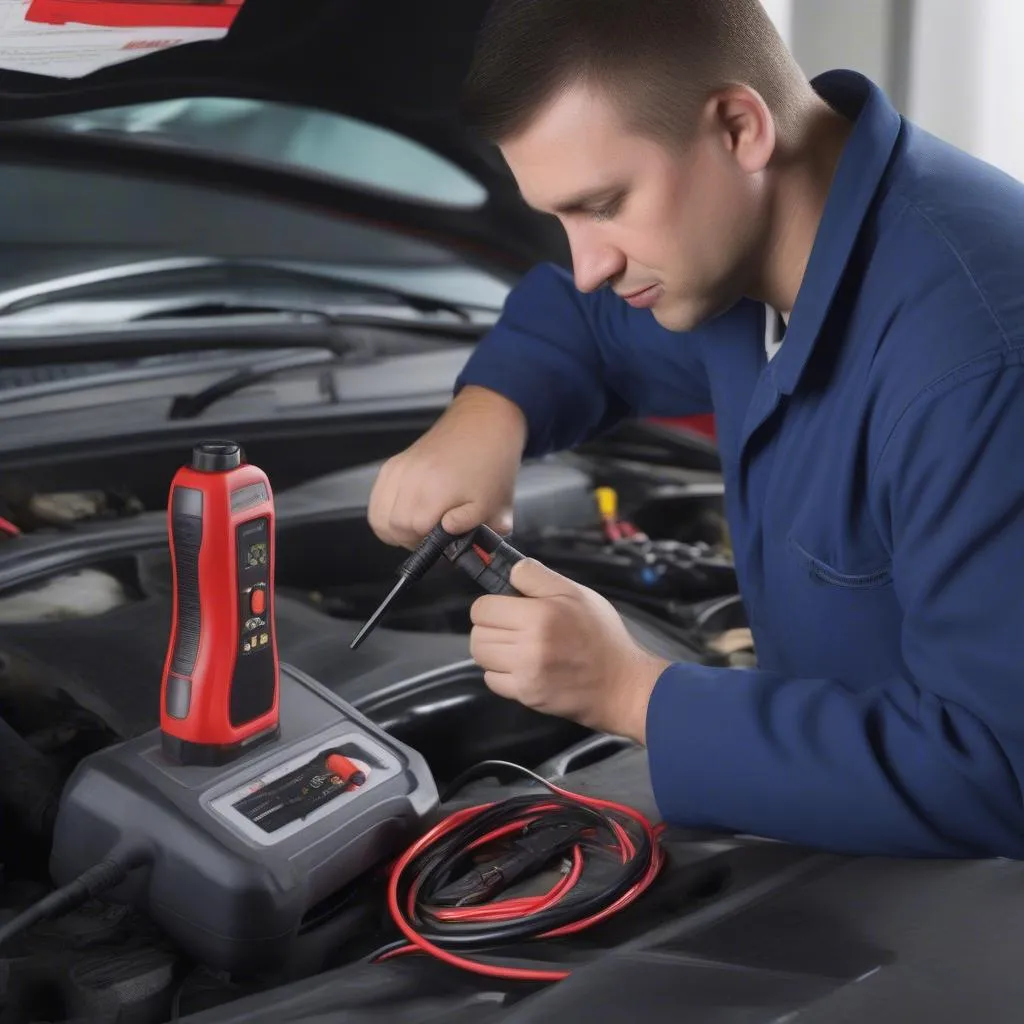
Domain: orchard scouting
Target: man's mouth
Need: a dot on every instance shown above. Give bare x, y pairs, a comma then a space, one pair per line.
643, 298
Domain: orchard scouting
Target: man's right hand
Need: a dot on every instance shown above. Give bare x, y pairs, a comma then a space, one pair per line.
460, 473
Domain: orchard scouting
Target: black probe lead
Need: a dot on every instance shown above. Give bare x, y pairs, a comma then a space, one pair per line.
424, 873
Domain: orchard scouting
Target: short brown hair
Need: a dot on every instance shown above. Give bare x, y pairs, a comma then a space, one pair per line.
657, 59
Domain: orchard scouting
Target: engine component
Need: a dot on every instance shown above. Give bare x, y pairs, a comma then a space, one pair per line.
219, 692
28, 509
634, 566
29, 787
75, 595
237, 855
97, 964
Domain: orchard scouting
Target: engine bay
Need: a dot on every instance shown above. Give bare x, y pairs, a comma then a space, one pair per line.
734, 928
84, 621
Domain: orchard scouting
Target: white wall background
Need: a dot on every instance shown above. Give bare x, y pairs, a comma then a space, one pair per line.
781, 12
968, 76
953, 66
828, 34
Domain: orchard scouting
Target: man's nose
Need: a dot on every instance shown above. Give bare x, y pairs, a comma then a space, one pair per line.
594, 262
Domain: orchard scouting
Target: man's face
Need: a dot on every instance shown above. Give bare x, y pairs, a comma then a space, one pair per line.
670, 230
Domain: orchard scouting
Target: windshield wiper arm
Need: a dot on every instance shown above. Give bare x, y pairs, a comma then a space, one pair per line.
187, 407
119, 281
270, 331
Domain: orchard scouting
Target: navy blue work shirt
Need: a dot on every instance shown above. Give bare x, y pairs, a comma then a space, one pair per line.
875, 496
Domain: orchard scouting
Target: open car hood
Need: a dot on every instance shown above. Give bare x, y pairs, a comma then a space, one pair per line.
396, 64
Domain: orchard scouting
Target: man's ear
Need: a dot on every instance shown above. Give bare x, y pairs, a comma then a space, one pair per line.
740, 118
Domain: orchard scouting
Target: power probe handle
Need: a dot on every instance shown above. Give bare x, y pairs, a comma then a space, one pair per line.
486, 557
480, 553
427, 552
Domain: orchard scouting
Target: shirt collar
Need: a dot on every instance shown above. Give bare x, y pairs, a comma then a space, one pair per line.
861, 168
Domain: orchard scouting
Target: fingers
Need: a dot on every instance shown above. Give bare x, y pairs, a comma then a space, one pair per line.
387, 504
405, 505
531, 579
501, 522
493, 655
534, 579
382, 500
488, 635
502, 684
462, 518
503, 613
402, 511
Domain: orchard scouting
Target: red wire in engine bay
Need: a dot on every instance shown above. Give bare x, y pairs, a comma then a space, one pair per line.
440, 902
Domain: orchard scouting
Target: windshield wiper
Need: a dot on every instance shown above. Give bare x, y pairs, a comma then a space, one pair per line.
267, 331
142, 279
187, 407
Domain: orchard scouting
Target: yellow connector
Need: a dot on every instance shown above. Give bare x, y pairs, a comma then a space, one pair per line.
607, 502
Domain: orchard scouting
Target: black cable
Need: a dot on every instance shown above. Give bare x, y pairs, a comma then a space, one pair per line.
422, 890
572, 908
97, 879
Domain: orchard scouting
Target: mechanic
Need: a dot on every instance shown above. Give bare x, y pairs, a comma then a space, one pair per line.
845, 293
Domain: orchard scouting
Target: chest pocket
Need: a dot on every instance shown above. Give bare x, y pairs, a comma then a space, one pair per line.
874, 570
831, 620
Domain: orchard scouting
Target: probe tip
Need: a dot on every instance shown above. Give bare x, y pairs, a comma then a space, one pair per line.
372, 621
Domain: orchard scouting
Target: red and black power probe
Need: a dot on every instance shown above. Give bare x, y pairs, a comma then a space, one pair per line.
219, 693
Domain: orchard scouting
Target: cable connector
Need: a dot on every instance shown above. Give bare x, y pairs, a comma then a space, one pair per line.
528, 855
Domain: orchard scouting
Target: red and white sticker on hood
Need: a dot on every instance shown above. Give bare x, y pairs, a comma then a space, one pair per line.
73, 38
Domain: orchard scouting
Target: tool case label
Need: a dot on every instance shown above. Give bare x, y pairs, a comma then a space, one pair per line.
74, 38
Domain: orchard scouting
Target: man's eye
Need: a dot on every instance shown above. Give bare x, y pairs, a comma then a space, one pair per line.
606, 212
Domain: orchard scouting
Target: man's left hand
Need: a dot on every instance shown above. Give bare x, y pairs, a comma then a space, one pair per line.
563, 649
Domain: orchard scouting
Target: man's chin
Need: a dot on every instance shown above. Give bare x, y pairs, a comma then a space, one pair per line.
676, 318
682, 317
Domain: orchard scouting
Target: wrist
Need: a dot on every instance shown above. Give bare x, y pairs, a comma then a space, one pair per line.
638, 682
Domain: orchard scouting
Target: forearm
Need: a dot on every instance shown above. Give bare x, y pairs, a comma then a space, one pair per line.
474, 403
543, 357
576, 364
888, 771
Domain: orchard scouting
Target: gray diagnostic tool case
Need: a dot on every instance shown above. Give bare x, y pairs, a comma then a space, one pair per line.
226, 875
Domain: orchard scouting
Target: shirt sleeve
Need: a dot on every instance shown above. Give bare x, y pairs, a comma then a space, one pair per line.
577, 363
928, 762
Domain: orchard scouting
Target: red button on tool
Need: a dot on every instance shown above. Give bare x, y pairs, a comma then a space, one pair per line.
349, 773
258, 601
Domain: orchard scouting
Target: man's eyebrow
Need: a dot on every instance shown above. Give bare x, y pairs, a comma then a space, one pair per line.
588, 200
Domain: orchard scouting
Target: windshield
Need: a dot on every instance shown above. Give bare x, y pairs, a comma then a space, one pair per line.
58, 223
62, 227
297, 138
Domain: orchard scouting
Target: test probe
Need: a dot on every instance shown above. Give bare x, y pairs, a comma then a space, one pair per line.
480, 553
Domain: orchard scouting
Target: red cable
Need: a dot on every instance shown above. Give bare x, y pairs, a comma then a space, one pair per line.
522, 906
6, 526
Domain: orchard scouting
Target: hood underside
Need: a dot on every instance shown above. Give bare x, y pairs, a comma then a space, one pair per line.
397, 64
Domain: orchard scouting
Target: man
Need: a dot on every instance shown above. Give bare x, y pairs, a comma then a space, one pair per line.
874, 485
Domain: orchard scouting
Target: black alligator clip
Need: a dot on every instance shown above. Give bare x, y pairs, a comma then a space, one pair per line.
527, 856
